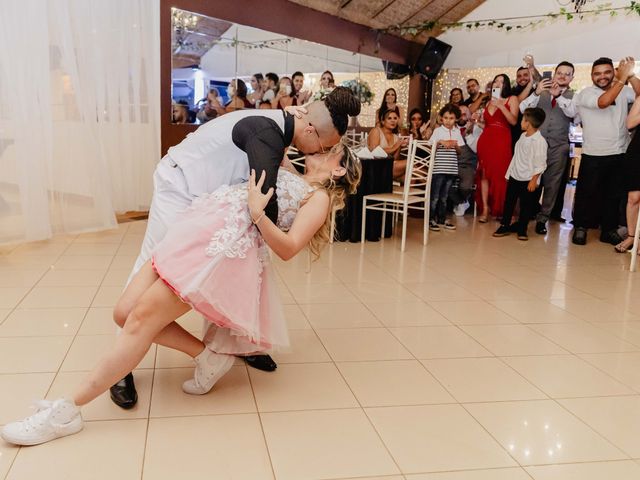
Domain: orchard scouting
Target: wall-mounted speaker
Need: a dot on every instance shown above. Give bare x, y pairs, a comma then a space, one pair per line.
395, 71
432, 58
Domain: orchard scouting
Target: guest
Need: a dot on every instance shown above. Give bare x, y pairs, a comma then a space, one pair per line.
631, 170
467, 161
525, 77
603, 108
302, 96
326, 81
390, 102
528, 163
418, 129
456, 97
270, 88
237, 91
447, 140
285, 96
257, 84
180, 113
494, 147
212, 108
475, 96
553, 96
386, 137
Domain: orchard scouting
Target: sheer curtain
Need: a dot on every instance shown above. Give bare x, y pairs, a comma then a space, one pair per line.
79, 114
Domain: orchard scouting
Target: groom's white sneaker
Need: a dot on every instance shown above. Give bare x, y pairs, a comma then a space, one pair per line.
210, 367
53, 419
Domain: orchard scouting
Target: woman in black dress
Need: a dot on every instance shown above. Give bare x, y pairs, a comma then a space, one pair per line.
631, 170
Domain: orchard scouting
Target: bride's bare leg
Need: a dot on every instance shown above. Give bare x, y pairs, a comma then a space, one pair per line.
156, 308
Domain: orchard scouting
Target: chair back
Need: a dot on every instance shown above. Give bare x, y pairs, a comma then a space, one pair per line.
299, 157
418, 172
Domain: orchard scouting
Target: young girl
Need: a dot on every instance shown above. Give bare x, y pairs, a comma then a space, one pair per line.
215, 260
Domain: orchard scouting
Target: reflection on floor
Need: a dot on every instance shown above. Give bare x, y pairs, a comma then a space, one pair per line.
474, 358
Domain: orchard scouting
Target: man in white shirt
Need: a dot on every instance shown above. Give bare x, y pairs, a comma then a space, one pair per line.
554, 97
603, 108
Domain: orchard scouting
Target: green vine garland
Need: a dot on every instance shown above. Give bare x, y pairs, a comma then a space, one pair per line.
514, 23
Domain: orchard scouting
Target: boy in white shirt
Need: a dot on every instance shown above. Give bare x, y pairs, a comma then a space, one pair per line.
523, 175
447, 140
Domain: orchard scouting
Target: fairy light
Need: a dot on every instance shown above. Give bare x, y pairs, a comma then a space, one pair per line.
450, 78
378, 83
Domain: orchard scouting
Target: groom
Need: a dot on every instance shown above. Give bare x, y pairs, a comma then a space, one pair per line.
223, 151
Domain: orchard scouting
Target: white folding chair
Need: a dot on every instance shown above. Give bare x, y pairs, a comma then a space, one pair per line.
415, 193
634, 250
299, 160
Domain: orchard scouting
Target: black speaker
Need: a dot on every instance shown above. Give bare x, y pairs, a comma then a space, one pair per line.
395, 71
433, 55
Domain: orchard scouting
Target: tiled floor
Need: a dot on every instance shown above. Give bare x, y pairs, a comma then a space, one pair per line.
471, 359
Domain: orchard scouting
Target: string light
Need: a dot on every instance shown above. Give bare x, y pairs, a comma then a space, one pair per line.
457, 78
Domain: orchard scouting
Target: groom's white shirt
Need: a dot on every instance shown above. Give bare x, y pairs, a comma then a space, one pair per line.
208, 157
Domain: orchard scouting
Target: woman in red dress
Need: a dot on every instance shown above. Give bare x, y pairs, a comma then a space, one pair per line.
494, 147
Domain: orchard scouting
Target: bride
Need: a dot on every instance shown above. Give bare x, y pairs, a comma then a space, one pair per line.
214, 259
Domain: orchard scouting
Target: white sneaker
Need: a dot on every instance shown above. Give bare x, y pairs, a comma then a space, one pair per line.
210, 367
52, 420
460, 209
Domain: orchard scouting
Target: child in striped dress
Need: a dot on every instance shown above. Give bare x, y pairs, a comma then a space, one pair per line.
447, 140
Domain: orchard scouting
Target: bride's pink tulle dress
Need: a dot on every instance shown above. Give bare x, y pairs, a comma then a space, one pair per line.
215, 259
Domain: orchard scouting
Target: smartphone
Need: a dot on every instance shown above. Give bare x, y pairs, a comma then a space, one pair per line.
496, 92
287, 89
546, 75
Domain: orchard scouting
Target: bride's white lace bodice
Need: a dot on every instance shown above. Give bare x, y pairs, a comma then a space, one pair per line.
291, 189
236, 236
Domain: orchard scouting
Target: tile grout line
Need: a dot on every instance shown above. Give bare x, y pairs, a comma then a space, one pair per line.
259, 413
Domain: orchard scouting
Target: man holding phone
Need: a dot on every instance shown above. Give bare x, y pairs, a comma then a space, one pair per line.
553, 96
525, 77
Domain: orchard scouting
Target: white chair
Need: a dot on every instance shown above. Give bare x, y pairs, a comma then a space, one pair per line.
404, 154
415, 193
634, 250
298, 161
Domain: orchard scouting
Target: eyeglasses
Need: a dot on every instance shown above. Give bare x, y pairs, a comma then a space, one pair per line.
322, 149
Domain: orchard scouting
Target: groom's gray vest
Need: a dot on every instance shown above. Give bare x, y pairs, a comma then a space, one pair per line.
555, 128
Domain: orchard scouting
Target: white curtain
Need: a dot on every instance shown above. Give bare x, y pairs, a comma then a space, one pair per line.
79, 113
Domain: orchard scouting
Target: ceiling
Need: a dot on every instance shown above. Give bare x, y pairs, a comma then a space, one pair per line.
576, 41
371, 13
386, 13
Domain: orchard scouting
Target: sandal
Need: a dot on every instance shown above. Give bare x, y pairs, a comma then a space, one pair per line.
624, 246
483, 218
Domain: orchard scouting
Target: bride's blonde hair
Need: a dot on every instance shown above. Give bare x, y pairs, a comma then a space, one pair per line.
337, 188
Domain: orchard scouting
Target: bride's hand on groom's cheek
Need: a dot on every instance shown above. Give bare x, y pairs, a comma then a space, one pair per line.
256, 199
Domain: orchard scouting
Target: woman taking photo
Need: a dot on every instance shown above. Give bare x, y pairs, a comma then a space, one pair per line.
494, 147
285, 97
237, 92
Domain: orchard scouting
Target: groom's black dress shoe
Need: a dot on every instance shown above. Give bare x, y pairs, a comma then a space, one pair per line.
261, 362
124, 393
